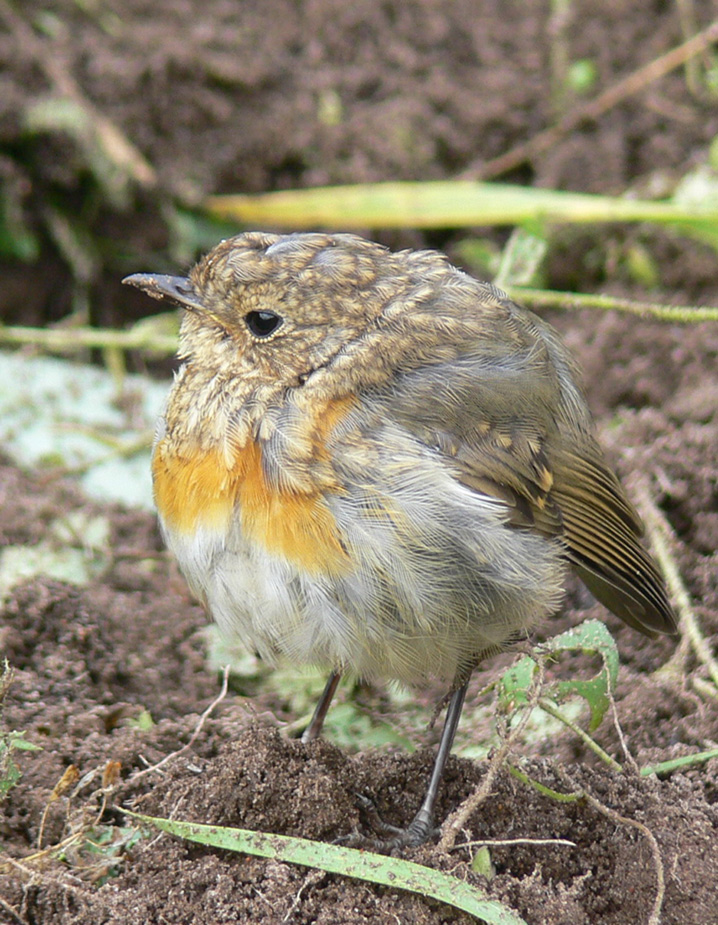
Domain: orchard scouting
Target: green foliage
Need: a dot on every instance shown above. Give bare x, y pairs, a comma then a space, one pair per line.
522, 258
362, 865
10, 742
17, 239
144, 722
102, 850
592, 637
480, 256
349, 727
457, 204
582, 76
9, 772
347, 724
481, 863
115, 164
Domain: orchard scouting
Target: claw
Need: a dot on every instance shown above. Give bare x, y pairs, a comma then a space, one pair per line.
390, 838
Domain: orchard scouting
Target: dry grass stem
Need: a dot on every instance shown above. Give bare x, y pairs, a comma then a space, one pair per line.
661, 536
623, 89
458, 819
198, 728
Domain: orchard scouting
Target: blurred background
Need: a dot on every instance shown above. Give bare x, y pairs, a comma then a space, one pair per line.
120, 118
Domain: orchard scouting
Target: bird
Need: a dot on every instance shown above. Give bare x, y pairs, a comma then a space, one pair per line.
372, 462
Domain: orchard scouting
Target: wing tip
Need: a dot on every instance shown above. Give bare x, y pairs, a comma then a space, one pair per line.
644, 605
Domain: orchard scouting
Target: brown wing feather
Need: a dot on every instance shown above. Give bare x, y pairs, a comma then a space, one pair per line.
575, 495
511, 465
602, 533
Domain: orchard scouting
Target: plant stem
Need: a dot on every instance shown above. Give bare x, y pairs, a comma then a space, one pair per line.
549, 707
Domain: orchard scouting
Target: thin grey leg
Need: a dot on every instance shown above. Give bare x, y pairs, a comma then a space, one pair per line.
315, 726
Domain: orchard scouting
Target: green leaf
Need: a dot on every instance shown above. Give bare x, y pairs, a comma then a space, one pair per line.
9, 771
591, 636
513, 685
144, 722
18, 740
482, 863
582, 76
521, 259
362, 865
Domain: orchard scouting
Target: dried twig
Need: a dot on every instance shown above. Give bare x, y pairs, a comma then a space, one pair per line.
12, 912
546, 298
68, 340
457, 820
507, 842
655, 915
118, 149
661, 535
628, 86
198, 728
574, 796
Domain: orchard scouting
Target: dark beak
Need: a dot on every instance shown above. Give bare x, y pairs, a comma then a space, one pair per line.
177, 288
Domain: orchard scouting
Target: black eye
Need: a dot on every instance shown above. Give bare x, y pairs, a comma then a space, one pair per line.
262, 324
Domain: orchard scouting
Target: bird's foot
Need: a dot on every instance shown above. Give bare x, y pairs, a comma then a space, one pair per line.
386, 838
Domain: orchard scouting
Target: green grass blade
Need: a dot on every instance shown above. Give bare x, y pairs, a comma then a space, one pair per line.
674, 764
547, 298
362, 865
449, 203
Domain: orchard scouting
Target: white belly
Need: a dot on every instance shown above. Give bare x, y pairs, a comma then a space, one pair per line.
437, 579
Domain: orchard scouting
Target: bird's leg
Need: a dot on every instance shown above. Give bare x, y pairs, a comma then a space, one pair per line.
314, 728
422, 825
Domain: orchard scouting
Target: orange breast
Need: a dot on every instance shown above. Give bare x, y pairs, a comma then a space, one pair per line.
197, 489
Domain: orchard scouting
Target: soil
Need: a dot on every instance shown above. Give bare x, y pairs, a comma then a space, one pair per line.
232, 102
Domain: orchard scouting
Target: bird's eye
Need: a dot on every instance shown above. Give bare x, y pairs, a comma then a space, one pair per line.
262, 324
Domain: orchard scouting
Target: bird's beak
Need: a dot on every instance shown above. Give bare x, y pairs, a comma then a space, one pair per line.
177, 288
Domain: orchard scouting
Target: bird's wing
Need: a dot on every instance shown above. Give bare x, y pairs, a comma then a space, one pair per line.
602, 533
511, 435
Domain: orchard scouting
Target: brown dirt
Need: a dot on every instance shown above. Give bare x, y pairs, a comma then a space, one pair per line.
222, 102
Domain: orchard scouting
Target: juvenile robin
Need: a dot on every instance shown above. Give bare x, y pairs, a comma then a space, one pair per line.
370, 461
